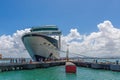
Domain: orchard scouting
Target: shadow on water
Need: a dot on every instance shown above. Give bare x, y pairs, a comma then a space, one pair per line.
71, 76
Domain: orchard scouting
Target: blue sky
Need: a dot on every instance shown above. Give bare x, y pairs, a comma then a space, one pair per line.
84, 15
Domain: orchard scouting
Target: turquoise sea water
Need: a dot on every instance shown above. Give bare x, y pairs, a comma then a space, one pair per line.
58, 73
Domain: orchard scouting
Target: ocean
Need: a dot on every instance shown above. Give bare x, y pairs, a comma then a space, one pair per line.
58, 73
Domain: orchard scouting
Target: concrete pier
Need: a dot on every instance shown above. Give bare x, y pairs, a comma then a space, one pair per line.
94, 65
82, 64
26, 66
113, 66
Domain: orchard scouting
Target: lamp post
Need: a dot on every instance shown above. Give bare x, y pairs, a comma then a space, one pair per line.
67, 53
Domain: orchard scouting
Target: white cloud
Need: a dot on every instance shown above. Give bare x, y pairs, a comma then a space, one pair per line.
12, 46
104, 43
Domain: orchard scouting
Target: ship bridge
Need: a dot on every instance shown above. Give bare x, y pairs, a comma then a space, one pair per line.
49, 30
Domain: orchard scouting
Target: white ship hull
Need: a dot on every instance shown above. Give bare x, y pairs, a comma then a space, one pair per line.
41, 46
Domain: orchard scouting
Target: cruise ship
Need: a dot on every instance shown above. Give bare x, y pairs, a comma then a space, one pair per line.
43, 42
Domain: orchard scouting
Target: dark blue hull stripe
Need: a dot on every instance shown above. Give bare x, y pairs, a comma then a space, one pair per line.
51, 40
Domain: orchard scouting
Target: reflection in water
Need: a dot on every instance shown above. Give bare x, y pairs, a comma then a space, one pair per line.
71, 76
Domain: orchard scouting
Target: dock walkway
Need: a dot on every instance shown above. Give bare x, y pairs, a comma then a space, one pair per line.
26, 66
47, 64
105, 66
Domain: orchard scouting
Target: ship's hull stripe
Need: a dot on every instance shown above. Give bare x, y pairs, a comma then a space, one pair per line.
51, 40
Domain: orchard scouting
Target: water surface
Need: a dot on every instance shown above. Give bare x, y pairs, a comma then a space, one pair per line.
58, 73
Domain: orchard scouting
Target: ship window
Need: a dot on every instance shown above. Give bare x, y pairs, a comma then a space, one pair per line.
44, 43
